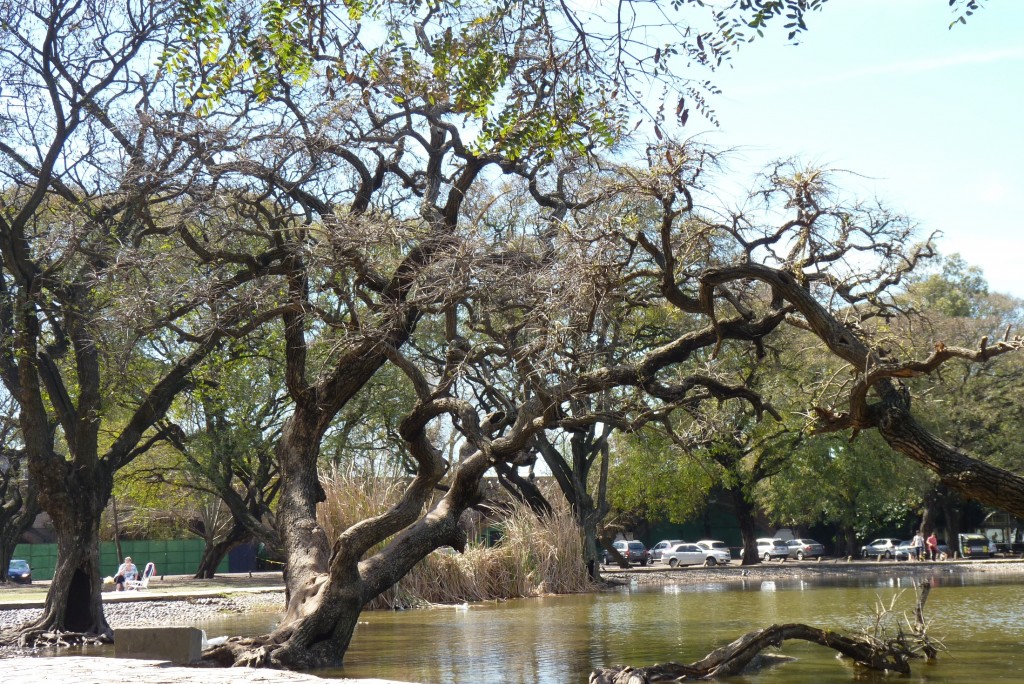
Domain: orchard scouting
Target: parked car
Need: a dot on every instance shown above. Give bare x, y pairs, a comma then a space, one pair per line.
722, 555
768, 548
661, 547
905, 548
694, 554
805, 548
942, 549
715, 552
632, 551
974, 546
884, 547
19, 571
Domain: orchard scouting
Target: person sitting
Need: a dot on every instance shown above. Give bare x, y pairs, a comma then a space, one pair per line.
126, 571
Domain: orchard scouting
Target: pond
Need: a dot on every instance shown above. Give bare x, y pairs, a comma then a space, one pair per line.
980, 619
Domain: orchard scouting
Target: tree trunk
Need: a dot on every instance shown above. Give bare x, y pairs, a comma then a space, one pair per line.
851, 541
73, 602
522, 489
930, 513
956, 469
872, 649
324, 607
16, 515
213, 553
117, 527
748, 532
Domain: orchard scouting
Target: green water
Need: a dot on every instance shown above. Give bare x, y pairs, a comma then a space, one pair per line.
560, 640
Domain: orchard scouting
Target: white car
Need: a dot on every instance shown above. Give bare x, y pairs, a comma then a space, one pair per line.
683, 554
768, 548
693, 554
722, 552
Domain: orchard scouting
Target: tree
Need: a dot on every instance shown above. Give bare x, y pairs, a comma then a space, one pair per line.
977, 406
610, 53
91, 287
385, 166
860, 487
225, 428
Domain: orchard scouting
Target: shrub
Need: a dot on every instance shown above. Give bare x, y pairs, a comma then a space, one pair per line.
535, 556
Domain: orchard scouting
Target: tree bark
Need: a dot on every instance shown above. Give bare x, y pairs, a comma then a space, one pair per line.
733, 659
958, 470
19, 506
74, 602
745, 519
850, 536
213, 553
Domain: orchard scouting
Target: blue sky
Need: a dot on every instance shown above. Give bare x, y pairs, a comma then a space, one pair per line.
931, 117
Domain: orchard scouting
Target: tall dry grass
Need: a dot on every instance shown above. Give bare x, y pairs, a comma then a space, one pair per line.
534, 557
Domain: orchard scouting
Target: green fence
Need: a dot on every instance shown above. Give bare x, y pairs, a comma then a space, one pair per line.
176, 557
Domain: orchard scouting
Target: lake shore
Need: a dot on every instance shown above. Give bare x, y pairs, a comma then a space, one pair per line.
810, 570
183, 601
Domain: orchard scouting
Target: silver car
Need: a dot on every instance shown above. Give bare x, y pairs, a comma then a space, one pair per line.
661, 547
692, 554
884, 547
805, 548
768, 548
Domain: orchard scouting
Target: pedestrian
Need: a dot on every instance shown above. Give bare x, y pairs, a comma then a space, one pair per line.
127, 571
933, 546
917, 545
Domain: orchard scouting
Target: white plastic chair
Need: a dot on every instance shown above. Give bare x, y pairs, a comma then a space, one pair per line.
143, 582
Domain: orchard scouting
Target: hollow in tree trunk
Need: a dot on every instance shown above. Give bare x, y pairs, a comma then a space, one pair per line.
74, 602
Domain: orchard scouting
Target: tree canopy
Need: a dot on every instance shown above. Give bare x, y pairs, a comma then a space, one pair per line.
449, 207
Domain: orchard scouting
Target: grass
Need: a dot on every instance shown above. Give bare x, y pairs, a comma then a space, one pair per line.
535, 556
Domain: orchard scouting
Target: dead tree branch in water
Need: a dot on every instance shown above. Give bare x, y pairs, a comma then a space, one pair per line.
874, 649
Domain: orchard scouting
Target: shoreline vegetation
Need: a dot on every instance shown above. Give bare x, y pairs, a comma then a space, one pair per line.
536, 556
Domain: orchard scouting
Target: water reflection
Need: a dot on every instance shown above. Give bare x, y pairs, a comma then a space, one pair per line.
560, 640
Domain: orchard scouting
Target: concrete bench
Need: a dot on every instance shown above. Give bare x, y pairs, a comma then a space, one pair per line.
173, 644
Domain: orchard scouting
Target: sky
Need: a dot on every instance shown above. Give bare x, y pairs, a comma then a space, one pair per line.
930, 117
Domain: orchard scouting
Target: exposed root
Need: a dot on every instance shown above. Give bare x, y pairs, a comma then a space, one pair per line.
38, 638
241, 652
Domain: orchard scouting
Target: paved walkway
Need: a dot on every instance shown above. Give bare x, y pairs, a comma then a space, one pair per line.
86, 670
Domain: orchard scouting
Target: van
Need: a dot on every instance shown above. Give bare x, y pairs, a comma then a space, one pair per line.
974, 546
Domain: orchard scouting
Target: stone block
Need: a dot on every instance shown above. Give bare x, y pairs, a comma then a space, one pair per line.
173, 644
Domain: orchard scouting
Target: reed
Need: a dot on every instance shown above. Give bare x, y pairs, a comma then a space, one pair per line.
535, 556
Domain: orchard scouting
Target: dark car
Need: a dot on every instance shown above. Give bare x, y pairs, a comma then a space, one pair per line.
632, 551
974, 546
19, 571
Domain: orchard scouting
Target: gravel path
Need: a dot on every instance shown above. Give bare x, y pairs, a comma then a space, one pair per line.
183, 612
